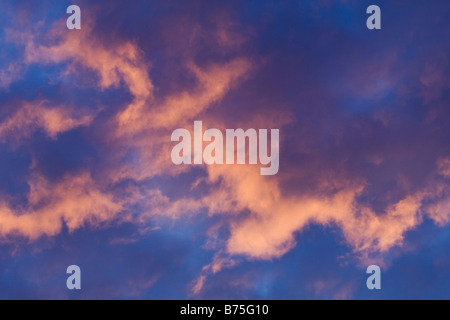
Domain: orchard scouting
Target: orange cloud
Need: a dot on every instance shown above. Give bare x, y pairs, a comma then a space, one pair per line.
113, 64
263, 221
145, 125
148, 129
75, 201
32, 116
268, 231
213, 83
444, 167
440, 211
9, 74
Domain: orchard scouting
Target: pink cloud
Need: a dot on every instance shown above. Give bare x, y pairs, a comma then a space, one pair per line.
33, 116
263, 220
75, 201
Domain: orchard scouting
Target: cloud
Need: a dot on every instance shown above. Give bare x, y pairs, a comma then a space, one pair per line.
440, 211
268, 231
220, 261
33, 116
145, 125
112, 63
213, 83
9, 74
75, 202
444, 167
148, 129
335, 163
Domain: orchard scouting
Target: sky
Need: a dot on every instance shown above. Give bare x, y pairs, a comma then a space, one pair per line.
86, 176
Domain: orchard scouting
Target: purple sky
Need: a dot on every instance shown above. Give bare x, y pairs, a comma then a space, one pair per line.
86, 176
